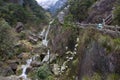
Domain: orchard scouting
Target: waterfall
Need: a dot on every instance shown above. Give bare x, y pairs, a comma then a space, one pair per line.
45, 41
42, 33
47, 57
24, 67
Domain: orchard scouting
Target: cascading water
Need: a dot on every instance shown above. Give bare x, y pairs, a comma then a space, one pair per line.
24, 67
45, 41
46, 58
42, 33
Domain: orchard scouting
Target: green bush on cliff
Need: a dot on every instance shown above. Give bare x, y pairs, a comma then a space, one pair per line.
43, 72
6, 39
79, 9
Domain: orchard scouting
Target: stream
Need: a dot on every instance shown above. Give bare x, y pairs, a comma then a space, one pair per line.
45, 59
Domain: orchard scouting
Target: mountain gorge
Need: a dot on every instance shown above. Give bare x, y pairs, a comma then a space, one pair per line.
52, 5
77, 43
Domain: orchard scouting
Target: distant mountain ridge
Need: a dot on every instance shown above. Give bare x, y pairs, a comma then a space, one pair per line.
52, 6
57, 5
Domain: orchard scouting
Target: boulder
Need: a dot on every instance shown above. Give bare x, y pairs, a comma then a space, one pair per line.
36, 64
19, 27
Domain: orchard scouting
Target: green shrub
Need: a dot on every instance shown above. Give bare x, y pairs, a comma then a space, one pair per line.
6, 39
113, 77
43, 72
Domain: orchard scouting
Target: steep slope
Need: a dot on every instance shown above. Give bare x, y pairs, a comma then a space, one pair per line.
29, 10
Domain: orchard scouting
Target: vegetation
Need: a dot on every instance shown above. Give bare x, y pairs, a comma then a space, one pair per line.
79, 9
13, 13
29, 12
44, 73
6, 47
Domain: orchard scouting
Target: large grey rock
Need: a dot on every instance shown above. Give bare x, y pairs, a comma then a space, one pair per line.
19, 27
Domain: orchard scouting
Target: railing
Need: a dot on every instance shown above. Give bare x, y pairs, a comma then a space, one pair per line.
108, 19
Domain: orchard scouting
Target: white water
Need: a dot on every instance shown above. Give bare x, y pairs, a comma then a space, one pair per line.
24, 67
45, 41
42, 33
47, 57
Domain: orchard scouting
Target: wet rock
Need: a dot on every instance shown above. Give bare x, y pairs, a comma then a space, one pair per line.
28, 69
36, 64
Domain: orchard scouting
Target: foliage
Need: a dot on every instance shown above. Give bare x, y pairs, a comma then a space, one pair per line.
113, 77
6, 39
117, 15
79, 8
43, 72
96, 76
13, 13
30, 12
37, 11
68, 23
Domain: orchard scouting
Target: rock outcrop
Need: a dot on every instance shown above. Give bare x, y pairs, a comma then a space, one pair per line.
99, 11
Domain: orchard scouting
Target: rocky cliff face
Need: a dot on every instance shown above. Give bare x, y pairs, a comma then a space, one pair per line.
96, 57
57, 5
100, 10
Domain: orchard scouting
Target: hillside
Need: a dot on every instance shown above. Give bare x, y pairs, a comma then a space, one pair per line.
81, 42
21, 11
